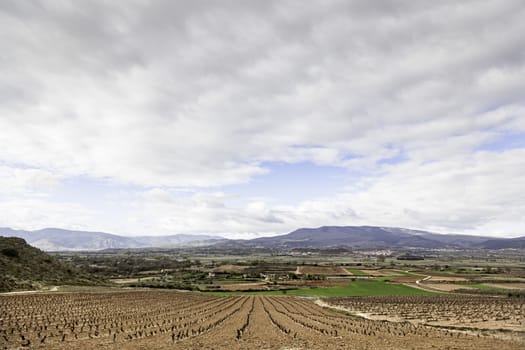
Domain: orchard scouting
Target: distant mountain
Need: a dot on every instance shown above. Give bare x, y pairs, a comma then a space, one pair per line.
502, 243
351, 237
55, 239
370, 237
26, 267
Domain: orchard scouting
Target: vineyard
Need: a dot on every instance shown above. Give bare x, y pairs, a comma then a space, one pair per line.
172, 320
451, 310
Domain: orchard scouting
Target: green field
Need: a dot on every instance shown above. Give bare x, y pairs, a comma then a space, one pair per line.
356, 272
357, 288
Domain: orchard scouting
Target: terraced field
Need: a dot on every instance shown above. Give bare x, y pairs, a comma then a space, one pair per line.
171, 320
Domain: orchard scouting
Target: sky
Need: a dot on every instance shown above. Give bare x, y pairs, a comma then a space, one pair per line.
255, 118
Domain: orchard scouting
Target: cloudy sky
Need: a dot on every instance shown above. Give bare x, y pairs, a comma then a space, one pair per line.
248, 118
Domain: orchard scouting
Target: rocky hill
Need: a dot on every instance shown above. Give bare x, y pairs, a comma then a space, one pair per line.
25, 267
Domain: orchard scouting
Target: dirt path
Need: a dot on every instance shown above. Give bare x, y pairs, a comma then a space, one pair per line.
419, 284
22, 292
423, 279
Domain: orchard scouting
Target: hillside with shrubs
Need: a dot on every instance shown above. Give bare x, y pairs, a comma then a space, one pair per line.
24, 267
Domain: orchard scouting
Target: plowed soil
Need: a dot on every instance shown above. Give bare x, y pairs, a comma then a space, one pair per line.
171, 320
460, 312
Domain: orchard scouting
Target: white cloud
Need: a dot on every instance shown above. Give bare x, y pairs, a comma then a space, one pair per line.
36, 213
456, 194
200, 95
480, 194
24, 180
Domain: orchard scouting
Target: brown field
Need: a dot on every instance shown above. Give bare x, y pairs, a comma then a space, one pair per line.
447, 279
171, 320
488, 313
518, 286
382, 273
322, 270
405, 279
444, 287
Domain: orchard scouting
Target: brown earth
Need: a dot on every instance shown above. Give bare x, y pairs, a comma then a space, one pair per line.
444, 287
518, 286
171, 320
406, 279
486, 313
448, 279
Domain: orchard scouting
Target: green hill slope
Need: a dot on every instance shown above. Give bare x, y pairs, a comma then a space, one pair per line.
25, 267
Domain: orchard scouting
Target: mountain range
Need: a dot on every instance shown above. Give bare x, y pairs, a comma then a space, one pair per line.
56, 239
373, 237
352, 237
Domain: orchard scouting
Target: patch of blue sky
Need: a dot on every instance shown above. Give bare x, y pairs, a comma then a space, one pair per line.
17, 165
290, 183
504, 142
401, 157
397, 155
107, 200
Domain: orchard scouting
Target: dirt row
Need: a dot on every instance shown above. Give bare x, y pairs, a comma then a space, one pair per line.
490, 313
171, 320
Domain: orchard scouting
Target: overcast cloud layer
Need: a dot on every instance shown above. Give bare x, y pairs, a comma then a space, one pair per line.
147, 117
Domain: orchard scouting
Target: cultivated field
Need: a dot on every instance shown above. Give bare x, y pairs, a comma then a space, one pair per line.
322, 270
172, 320
489, 313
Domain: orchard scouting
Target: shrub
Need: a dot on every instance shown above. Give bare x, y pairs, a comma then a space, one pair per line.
10, 252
